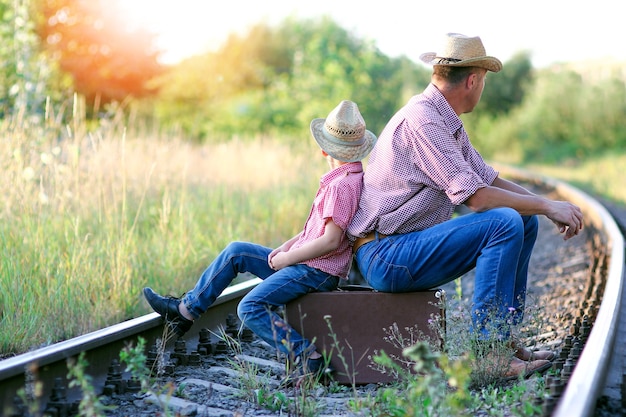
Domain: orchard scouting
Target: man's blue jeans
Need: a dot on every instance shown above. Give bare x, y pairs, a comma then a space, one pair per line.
257, 310
497, 242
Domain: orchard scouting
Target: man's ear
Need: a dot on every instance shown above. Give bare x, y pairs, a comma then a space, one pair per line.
324, 153
471, 80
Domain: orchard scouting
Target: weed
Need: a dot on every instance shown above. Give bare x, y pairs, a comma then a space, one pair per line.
272, 400
434, 386
135, 360
460, 377
336, 346
30, 395
90, 405
252, 384
517, 399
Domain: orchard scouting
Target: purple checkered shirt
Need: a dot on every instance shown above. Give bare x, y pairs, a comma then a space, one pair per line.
423, 165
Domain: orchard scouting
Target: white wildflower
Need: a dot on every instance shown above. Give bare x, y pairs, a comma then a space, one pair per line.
28, 173
17, 154
43, 197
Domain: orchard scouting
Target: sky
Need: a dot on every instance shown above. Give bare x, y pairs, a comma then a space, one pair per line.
550, 30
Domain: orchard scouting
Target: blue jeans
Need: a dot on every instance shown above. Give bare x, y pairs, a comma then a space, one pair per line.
258, 309
497, 242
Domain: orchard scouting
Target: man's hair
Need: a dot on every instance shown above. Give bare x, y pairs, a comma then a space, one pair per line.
453, 75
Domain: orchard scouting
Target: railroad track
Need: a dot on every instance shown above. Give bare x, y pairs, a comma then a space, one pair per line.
587, 356
600, 353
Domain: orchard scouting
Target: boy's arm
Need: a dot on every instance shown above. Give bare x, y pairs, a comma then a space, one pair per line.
287, 245
329, 241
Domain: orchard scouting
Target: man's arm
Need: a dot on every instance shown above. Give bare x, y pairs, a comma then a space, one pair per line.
329, 241
511, 186
503, 193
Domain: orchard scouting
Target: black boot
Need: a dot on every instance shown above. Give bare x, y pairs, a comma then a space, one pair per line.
167, 307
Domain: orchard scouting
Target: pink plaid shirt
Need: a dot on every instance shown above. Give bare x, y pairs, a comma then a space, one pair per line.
337, 199
423, 165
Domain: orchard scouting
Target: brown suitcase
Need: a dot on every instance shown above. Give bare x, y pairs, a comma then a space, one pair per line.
361, 322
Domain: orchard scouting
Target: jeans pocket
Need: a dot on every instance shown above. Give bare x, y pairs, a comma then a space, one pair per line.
388, 277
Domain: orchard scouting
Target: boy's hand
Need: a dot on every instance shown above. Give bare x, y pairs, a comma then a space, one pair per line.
278, 260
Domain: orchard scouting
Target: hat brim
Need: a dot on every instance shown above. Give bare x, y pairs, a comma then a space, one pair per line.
490, 63
341, 152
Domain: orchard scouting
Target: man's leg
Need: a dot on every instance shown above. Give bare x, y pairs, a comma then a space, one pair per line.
491, 241
531, 228
498, 243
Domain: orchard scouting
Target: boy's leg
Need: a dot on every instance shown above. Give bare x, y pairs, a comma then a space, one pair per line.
257, 310
236, 258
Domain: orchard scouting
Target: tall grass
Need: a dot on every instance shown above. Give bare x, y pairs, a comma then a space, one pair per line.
91, 215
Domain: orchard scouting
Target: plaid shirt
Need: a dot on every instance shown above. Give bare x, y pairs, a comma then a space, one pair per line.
423, 165
337, 199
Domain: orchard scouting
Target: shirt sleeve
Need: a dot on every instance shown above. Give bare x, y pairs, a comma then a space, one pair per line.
340, 205
440, 154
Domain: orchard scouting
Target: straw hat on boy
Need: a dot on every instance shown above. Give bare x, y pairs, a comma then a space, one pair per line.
462, 51
342, 134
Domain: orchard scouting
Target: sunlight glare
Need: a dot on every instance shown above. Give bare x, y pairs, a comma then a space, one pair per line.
188, 27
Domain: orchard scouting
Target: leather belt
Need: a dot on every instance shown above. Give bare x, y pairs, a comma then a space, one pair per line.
360, 241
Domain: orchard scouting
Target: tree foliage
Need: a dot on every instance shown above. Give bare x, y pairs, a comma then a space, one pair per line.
277, 79
563, 115
506, 89
24, 72
106, 60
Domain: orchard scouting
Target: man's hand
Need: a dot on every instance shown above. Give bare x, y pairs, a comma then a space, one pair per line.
567, 217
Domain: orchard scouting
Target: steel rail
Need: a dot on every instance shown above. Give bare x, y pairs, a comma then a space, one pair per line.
589, 376
102, 346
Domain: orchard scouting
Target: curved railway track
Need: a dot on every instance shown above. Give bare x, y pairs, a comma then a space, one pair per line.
600, 352
584, 375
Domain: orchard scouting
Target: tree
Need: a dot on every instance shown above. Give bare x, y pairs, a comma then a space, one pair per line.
107, 61
24, 72
213, 93
274, 80
506, 89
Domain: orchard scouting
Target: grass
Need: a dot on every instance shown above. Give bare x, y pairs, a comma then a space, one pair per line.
601, 175
88, 219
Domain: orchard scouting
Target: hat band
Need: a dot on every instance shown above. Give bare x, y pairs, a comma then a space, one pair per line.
445, 61
332, 139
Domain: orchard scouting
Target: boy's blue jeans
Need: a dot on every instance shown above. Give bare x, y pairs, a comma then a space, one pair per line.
497, 242
257, 310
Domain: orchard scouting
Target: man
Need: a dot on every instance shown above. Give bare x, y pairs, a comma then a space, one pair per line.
422, 166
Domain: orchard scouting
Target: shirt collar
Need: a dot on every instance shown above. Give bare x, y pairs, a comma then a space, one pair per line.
341, 171
433, 95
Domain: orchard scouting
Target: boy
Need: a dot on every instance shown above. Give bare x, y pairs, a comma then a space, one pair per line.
313, 260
